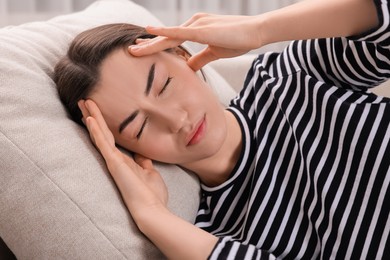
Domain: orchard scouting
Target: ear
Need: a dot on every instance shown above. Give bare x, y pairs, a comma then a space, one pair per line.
182, 53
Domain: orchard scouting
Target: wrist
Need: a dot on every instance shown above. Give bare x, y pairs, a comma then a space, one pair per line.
149, 216
263, 30
175, 237
146, 218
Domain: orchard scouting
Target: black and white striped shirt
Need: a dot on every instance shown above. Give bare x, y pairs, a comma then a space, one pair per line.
312, 181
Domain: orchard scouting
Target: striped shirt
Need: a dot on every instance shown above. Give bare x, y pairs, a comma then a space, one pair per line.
312, 180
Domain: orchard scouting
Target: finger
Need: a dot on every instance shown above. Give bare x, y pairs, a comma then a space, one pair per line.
93, 132
192, 19
200, 59
138, 42
141, 40
144, 162
88, 125
97, 115
84, 111
177, 33
105, 148
153, 46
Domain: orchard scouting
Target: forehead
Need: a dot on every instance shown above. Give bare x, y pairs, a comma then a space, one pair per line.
120, 64
122, 82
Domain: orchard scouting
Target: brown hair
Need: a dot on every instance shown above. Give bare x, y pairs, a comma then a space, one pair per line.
78, 72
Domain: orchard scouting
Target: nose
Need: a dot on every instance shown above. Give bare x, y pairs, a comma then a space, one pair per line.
173, 119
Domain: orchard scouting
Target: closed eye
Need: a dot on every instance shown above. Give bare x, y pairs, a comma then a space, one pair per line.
146, 119
165, 86
142, 129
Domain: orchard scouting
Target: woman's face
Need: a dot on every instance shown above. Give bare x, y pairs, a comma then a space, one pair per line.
158, 107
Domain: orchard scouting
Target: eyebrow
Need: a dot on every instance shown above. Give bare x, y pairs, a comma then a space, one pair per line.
150, 79
149, 85
128, 120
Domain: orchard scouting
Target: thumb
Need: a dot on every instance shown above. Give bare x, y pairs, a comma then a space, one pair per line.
197, 61
144, 162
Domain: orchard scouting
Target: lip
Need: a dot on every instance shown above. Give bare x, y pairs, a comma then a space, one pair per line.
198, 133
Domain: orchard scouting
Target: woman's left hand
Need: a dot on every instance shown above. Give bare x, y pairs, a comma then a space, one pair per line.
226, 36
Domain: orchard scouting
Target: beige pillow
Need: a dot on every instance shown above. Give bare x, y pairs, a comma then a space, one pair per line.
57, 200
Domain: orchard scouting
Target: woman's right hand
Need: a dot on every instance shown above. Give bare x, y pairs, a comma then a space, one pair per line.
140, 184
145, 194
226, 36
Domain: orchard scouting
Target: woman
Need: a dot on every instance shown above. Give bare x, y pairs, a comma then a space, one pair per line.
296, 167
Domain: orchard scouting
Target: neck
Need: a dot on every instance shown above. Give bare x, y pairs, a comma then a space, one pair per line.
216, 169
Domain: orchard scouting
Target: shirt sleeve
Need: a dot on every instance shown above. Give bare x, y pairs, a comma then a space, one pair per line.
357, 62
228, 249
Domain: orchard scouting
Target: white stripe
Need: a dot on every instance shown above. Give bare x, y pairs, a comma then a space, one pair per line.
233, 251
312, 68
204, 211
286, 62
215, 210
248, 91
218, 248
380, 202
272, 184
263, 111
249, 253
249, 87
360, 64
259, 181
370, 184
379, 72
311, 151
232, 205
347, 210
386, 229
382, 58
348, 79
332, 62
293, 197
330, 178
292, 58
343, 183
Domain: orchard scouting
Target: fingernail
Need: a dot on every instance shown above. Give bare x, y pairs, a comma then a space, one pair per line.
88, 122
134, 48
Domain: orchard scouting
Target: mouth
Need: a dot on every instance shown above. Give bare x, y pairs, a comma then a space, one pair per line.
198, 133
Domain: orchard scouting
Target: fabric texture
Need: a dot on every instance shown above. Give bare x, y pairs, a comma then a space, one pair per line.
57, 199
313, 180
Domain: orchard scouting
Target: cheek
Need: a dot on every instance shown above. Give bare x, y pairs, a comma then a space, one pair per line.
153, 146
195, 91
160, 152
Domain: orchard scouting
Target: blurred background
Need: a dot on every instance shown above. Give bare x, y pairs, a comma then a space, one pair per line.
170, 12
